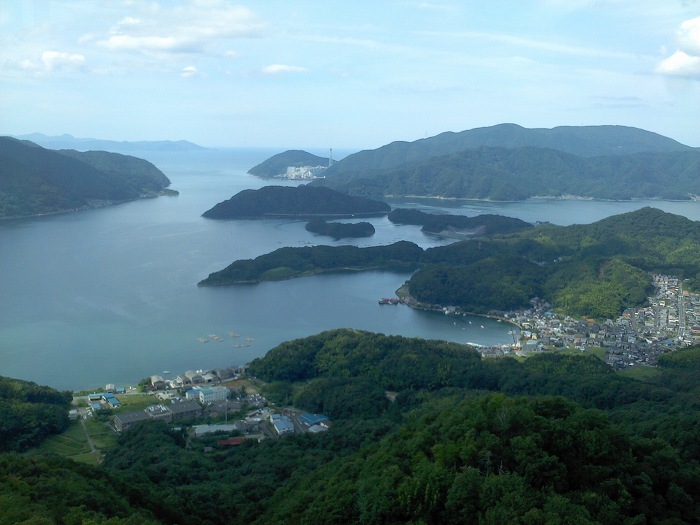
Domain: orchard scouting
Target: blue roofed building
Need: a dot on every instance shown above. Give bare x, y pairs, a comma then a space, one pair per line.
312, 419
283, 425
112, 401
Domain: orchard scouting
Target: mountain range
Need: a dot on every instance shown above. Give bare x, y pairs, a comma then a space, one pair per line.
509, 162
67, 141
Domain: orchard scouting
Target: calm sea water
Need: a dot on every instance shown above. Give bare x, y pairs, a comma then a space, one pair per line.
110, 295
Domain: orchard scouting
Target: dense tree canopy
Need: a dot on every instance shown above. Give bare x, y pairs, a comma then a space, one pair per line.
29, 413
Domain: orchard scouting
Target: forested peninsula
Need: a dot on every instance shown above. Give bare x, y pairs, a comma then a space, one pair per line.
286, 263
35, 180
295, 202
511, 163
594, 270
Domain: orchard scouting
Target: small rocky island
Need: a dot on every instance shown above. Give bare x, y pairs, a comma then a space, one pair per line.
295, 202
340, 230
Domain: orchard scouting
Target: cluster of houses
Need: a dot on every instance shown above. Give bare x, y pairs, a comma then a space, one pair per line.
304, 172
201, 397
194, 377
638, 337
176, 411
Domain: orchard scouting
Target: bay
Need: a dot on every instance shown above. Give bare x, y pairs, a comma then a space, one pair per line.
110, 295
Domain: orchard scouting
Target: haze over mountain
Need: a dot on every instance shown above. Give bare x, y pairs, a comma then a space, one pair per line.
67, 141
35, 180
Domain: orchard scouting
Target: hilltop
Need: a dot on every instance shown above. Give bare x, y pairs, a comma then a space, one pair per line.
35, 180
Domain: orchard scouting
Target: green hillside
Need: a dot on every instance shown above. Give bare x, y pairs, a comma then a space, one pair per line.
34, 180
520, 173
583, 141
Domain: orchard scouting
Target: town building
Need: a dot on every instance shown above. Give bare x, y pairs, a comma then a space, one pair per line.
282, 424
126, 420
185, 410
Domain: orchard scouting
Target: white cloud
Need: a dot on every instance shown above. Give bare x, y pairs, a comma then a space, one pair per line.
689, 36
680, 64
189, 72
148, 43
192, 28
53, 60
685, 62
276, 69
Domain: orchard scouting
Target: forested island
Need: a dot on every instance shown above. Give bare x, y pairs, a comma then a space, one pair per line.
511, 163
35, 181
423, 431
295, 202
458, 226
340, 230
595, 270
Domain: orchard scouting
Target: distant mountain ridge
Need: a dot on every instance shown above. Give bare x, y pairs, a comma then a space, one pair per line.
67, 141
583, 141
509, 163
505, 174
35, 180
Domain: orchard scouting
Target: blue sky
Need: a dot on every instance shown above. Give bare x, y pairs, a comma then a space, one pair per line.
360, 74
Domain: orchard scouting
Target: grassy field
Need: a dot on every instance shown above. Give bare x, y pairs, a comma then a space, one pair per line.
70, 444
642, 373
102, 437
135, 402
73, 443
592, 350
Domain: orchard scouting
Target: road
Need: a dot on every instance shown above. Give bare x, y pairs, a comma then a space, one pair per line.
89, 439
681, 311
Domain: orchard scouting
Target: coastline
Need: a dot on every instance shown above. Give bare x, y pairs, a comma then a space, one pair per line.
408, 300
165, 192
565, 197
